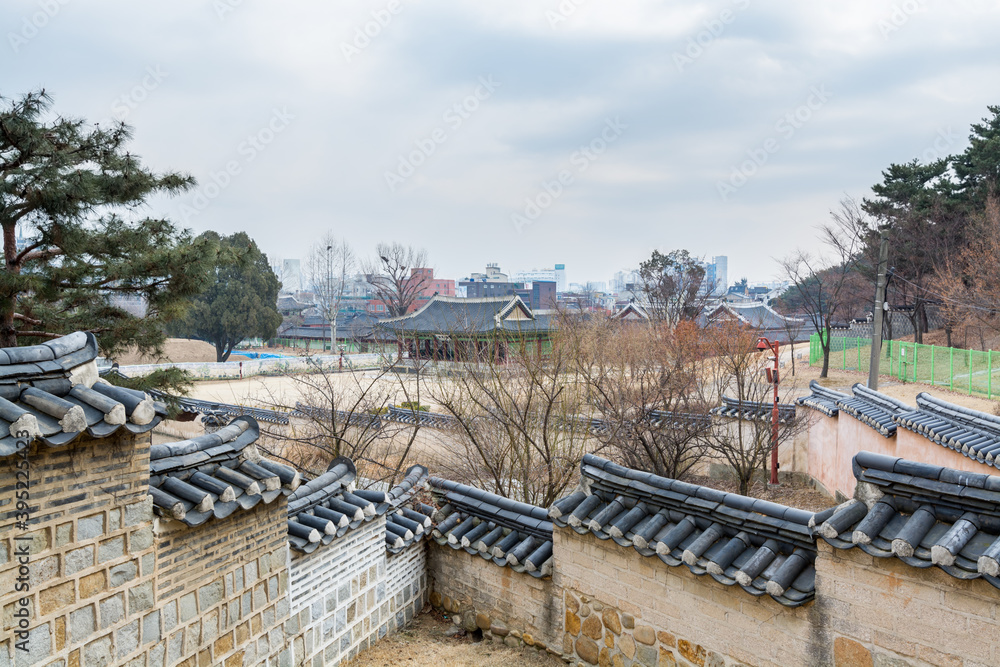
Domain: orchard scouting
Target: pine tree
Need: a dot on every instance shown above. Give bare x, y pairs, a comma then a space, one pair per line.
74, 192
241, 302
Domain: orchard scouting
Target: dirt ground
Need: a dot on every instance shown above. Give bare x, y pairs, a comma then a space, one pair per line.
793, 495
176, 350
424, 643
840, 380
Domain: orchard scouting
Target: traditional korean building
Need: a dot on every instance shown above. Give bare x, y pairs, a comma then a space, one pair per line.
456, 329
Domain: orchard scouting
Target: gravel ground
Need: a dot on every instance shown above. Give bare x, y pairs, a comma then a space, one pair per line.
424, 642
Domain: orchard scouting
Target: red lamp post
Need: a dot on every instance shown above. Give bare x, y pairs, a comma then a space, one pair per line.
772, 377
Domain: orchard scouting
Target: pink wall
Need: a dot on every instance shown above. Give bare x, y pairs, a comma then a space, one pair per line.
833, 442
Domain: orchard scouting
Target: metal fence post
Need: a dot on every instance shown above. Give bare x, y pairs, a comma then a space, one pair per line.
989, 377
857, 342
970, 371
916, 348
932, 364
951, 370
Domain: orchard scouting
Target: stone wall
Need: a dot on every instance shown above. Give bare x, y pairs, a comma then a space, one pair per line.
882, 612
348, 595
90, 555
623, 608
516, 607
110, 584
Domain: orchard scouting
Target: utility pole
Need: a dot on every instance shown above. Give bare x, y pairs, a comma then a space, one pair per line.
878, 314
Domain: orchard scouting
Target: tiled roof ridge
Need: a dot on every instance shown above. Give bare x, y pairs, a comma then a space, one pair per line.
438, 298
198, 406
676, 487
73, 349
822, 398
735, 408
328, 506
882, 400
924, 515
972, 433
52, 392
214, 474
764, 547
877, 410
507, 532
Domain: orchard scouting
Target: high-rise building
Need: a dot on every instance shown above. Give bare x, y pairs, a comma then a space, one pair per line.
291, 276
721, 263
556, 275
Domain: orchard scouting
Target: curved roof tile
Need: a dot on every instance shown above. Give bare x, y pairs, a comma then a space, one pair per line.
763, 547
922, 514
51, 392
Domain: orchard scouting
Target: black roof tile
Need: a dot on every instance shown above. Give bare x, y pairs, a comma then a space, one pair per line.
709, 531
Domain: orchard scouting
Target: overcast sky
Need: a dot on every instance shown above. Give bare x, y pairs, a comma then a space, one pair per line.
524, 132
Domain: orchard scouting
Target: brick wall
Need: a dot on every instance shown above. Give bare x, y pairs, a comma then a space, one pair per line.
346, 596
482, 595
221, 590
90, 551
618, 603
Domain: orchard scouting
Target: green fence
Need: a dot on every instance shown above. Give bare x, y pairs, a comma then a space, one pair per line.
970, 371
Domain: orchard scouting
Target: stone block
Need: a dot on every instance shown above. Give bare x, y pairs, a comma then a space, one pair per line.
127, 638
667, 658
573, 623
611, 620
647, 656
90, 527
123, 573
140, 597
693, 653
627, 645
592, 627
112, 610
188, 607
849, 653
82, 623
93, 584
209, 595
64, 535
56, 597
139, 512
140, 540
644, 635
79, 559
151, 627
99, 653
588, 650
43, 571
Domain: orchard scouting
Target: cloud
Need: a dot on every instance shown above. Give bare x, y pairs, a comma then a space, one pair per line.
901, 72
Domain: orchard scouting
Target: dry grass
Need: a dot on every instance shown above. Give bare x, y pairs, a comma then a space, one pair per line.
176, 350
424, 643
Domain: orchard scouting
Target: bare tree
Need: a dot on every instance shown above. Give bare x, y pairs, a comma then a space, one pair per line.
395, 278
736, 371
825, 288
518, 426
331, 262
344, 414
968, 287
643, 382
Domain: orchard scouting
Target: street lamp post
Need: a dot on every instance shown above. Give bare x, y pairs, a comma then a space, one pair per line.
772, 376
